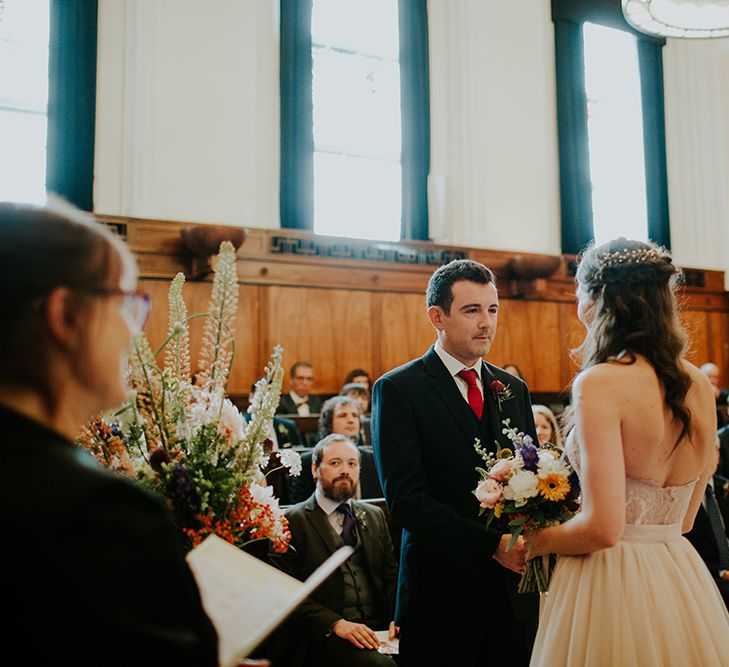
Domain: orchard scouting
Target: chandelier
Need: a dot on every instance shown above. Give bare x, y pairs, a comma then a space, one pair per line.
679, 18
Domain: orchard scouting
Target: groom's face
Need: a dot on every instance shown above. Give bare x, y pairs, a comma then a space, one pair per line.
467, 331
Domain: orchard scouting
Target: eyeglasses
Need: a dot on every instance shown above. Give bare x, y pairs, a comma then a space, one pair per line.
134, 309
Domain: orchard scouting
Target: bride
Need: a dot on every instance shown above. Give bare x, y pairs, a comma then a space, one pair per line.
628, 588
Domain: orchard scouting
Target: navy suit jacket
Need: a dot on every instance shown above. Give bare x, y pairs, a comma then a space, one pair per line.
423, 434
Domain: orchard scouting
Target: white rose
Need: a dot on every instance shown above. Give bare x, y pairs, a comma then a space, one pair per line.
522, 486
549, 464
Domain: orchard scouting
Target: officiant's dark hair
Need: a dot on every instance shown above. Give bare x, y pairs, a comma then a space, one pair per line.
439, 292
632, 287
42, 248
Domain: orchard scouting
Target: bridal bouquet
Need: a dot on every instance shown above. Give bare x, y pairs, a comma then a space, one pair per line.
185, 440
527, 488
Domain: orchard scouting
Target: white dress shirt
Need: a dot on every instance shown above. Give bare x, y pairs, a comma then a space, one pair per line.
454, 367
329, 507
302, 405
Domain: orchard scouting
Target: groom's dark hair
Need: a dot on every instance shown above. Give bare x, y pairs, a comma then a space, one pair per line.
439, 292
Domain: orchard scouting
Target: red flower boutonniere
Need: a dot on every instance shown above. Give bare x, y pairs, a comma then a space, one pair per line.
501, 392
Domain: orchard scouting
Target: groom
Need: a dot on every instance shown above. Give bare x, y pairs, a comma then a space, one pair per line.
456, 600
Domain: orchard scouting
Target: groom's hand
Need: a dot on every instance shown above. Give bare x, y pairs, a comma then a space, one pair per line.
515, 558
357, 633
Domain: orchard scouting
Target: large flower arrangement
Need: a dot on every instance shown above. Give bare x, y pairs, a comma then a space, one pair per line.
528, 488
187, 441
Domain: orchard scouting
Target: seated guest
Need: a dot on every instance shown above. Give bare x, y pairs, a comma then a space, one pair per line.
514, 370
360, 376
711, 371
284, 433
339, 414
336, 625
300, 400
95, 568
710, 532
548, 429
362, 396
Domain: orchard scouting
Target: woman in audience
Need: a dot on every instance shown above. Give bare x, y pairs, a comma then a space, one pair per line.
339, 414
362, 396
360, 376
95, 569
547, 426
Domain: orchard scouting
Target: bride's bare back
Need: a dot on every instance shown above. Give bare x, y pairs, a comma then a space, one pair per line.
649, 431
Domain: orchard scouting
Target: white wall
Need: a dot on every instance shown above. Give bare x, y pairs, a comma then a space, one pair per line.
494, 155
187, 110
188, 122
696, 76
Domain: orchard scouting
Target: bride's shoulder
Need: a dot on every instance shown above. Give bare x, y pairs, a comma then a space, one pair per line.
699, 382
600, 377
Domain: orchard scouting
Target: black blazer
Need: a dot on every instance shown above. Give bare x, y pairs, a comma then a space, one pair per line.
95, 570
423, 434
702, 537
312, 542
286, 405
287, 432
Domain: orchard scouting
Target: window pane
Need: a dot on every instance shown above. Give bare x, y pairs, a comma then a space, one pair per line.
356, 104
615, 133
23, 99
363, 26
23, 156
24, 54
357, 197
356, 118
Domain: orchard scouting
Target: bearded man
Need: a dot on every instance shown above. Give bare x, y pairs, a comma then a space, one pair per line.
336, 625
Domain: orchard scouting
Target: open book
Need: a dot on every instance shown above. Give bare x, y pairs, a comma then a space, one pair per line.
246, 598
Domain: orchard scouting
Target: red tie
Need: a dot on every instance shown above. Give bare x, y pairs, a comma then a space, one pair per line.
475, 399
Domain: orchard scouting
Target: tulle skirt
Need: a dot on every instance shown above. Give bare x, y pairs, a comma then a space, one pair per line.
649, 600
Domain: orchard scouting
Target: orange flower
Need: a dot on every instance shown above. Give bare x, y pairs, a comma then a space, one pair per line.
554, 486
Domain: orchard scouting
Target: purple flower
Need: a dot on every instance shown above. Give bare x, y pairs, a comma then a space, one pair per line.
157, 457
574, 491
185, 501
530, 456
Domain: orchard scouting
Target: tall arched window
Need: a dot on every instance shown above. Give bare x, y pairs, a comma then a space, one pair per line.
611, 126
354, 117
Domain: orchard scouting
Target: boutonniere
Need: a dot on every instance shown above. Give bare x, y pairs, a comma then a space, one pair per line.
501, 392
360, 515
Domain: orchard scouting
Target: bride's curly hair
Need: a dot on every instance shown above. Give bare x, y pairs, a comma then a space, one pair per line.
632, 286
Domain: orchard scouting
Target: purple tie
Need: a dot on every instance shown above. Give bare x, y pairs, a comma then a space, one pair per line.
348, 534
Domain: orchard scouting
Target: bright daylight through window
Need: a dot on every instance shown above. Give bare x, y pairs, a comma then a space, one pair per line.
23, 99
356, 100
615, 133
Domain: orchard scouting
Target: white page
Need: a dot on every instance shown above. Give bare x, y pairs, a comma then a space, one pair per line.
246, 598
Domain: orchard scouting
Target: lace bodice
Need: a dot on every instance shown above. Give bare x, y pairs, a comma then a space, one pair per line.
645, 503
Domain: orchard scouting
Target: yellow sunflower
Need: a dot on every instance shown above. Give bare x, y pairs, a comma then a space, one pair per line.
554, 486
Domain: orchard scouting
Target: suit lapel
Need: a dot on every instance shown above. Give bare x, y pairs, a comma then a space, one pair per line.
319, 521
445, 386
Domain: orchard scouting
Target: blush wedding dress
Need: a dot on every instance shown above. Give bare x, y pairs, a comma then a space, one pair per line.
649, 600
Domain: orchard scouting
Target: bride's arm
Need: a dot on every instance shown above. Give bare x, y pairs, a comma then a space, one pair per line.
598, 402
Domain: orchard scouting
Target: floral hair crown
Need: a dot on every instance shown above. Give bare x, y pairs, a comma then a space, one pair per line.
627, 257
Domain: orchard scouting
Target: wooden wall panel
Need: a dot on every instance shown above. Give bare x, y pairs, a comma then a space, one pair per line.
329, 328
572, 333
718, 350
405, 333
696, 323
246, 365
528, 336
